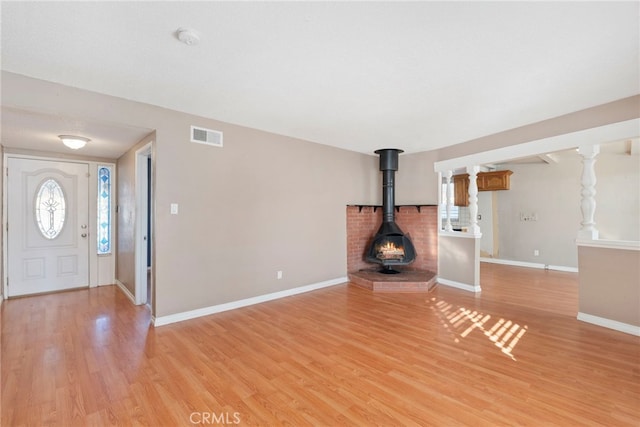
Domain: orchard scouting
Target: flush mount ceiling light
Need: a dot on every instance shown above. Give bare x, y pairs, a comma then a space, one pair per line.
188, 36
74, 142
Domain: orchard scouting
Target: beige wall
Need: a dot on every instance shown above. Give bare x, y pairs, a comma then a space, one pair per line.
613, 112
618, 218
610, 284
553, 192
416, 182
260, 204
458, 259
263, 203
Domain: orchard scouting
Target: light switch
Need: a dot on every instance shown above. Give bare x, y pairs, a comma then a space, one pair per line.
174, 209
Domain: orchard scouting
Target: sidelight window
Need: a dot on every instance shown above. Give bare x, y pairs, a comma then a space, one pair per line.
104, 210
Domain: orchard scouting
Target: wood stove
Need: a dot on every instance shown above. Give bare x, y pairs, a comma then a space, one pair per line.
390, 246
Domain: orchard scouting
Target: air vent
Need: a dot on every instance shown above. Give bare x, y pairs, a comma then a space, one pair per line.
206, 136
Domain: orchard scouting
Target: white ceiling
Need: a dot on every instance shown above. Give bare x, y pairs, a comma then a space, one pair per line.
39, 131
356, 75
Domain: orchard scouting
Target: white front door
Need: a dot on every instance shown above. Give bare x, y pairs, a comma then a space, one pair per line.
47, 226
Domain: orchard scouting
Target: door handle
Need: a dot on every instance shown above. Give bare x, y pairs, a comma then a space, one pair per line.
83, 226
84, 235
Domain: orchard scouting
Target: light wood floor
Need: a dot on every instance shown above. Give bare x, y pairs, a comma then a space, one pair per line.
514, 355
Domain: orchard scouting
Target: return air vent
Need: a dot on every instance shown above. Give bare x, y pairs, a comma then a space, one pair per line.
206, 136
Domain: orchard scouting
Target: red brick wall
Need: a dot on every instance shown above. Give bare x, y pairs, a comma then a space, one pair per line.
361, 227
422, 228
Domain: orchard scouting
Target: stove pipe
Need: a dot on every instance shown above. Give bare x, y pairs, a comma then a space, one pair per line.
388, 166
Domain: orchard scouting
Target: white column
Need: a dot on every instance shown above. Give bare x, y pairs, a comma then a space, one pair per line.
588, 204
474, 228
449, 199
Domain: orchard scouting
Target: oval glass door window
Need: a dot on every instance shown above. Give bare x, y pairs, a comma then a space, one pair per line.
50, 208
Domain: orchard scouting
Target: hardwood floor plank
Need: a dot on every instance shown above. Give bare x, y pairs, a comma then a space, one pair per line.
513, 355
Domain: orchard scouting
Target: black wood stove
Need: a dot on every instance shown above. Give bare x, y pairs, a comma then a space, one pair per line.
390, 246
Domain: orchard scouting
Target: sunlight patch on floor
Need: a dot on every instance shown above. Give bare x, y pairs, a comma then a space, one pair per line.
460, 322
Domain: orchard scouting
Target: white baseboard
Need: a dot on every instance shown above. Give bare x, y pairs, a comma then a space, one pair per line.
563, 268
459, 285
611, 324
179, 317
529, 264
126, 291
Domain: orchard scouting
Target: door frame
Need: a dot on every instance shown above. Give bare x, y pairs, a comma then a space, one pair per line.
101, 267
144, 214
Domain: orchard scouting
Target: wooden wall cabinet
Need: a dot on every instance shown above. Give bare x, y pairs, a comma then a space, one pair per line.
461, 190
487, 181
492, 181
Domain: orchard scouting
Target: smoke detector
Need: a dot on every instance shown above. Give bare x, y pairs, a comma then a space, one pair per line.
188, 36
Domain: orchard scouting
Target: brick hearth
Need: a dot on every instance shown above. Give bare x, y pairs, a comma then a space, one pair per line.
407, 281
419, 222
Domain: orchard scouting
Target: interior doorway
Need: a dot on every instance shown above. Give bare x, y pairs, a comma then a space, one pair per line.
144, 288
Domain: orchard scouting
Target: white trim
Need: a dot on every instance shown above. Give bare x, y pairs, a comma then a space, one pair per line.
597, 135
142, 209
630, 245
562, 268
192, 314
529, 264
5, 244
463, 234
125, 291
459, 285
610, 324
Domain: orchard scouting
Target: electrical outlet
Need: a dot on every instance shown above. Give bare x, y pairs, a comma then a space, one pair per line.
279, 274
536, 252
